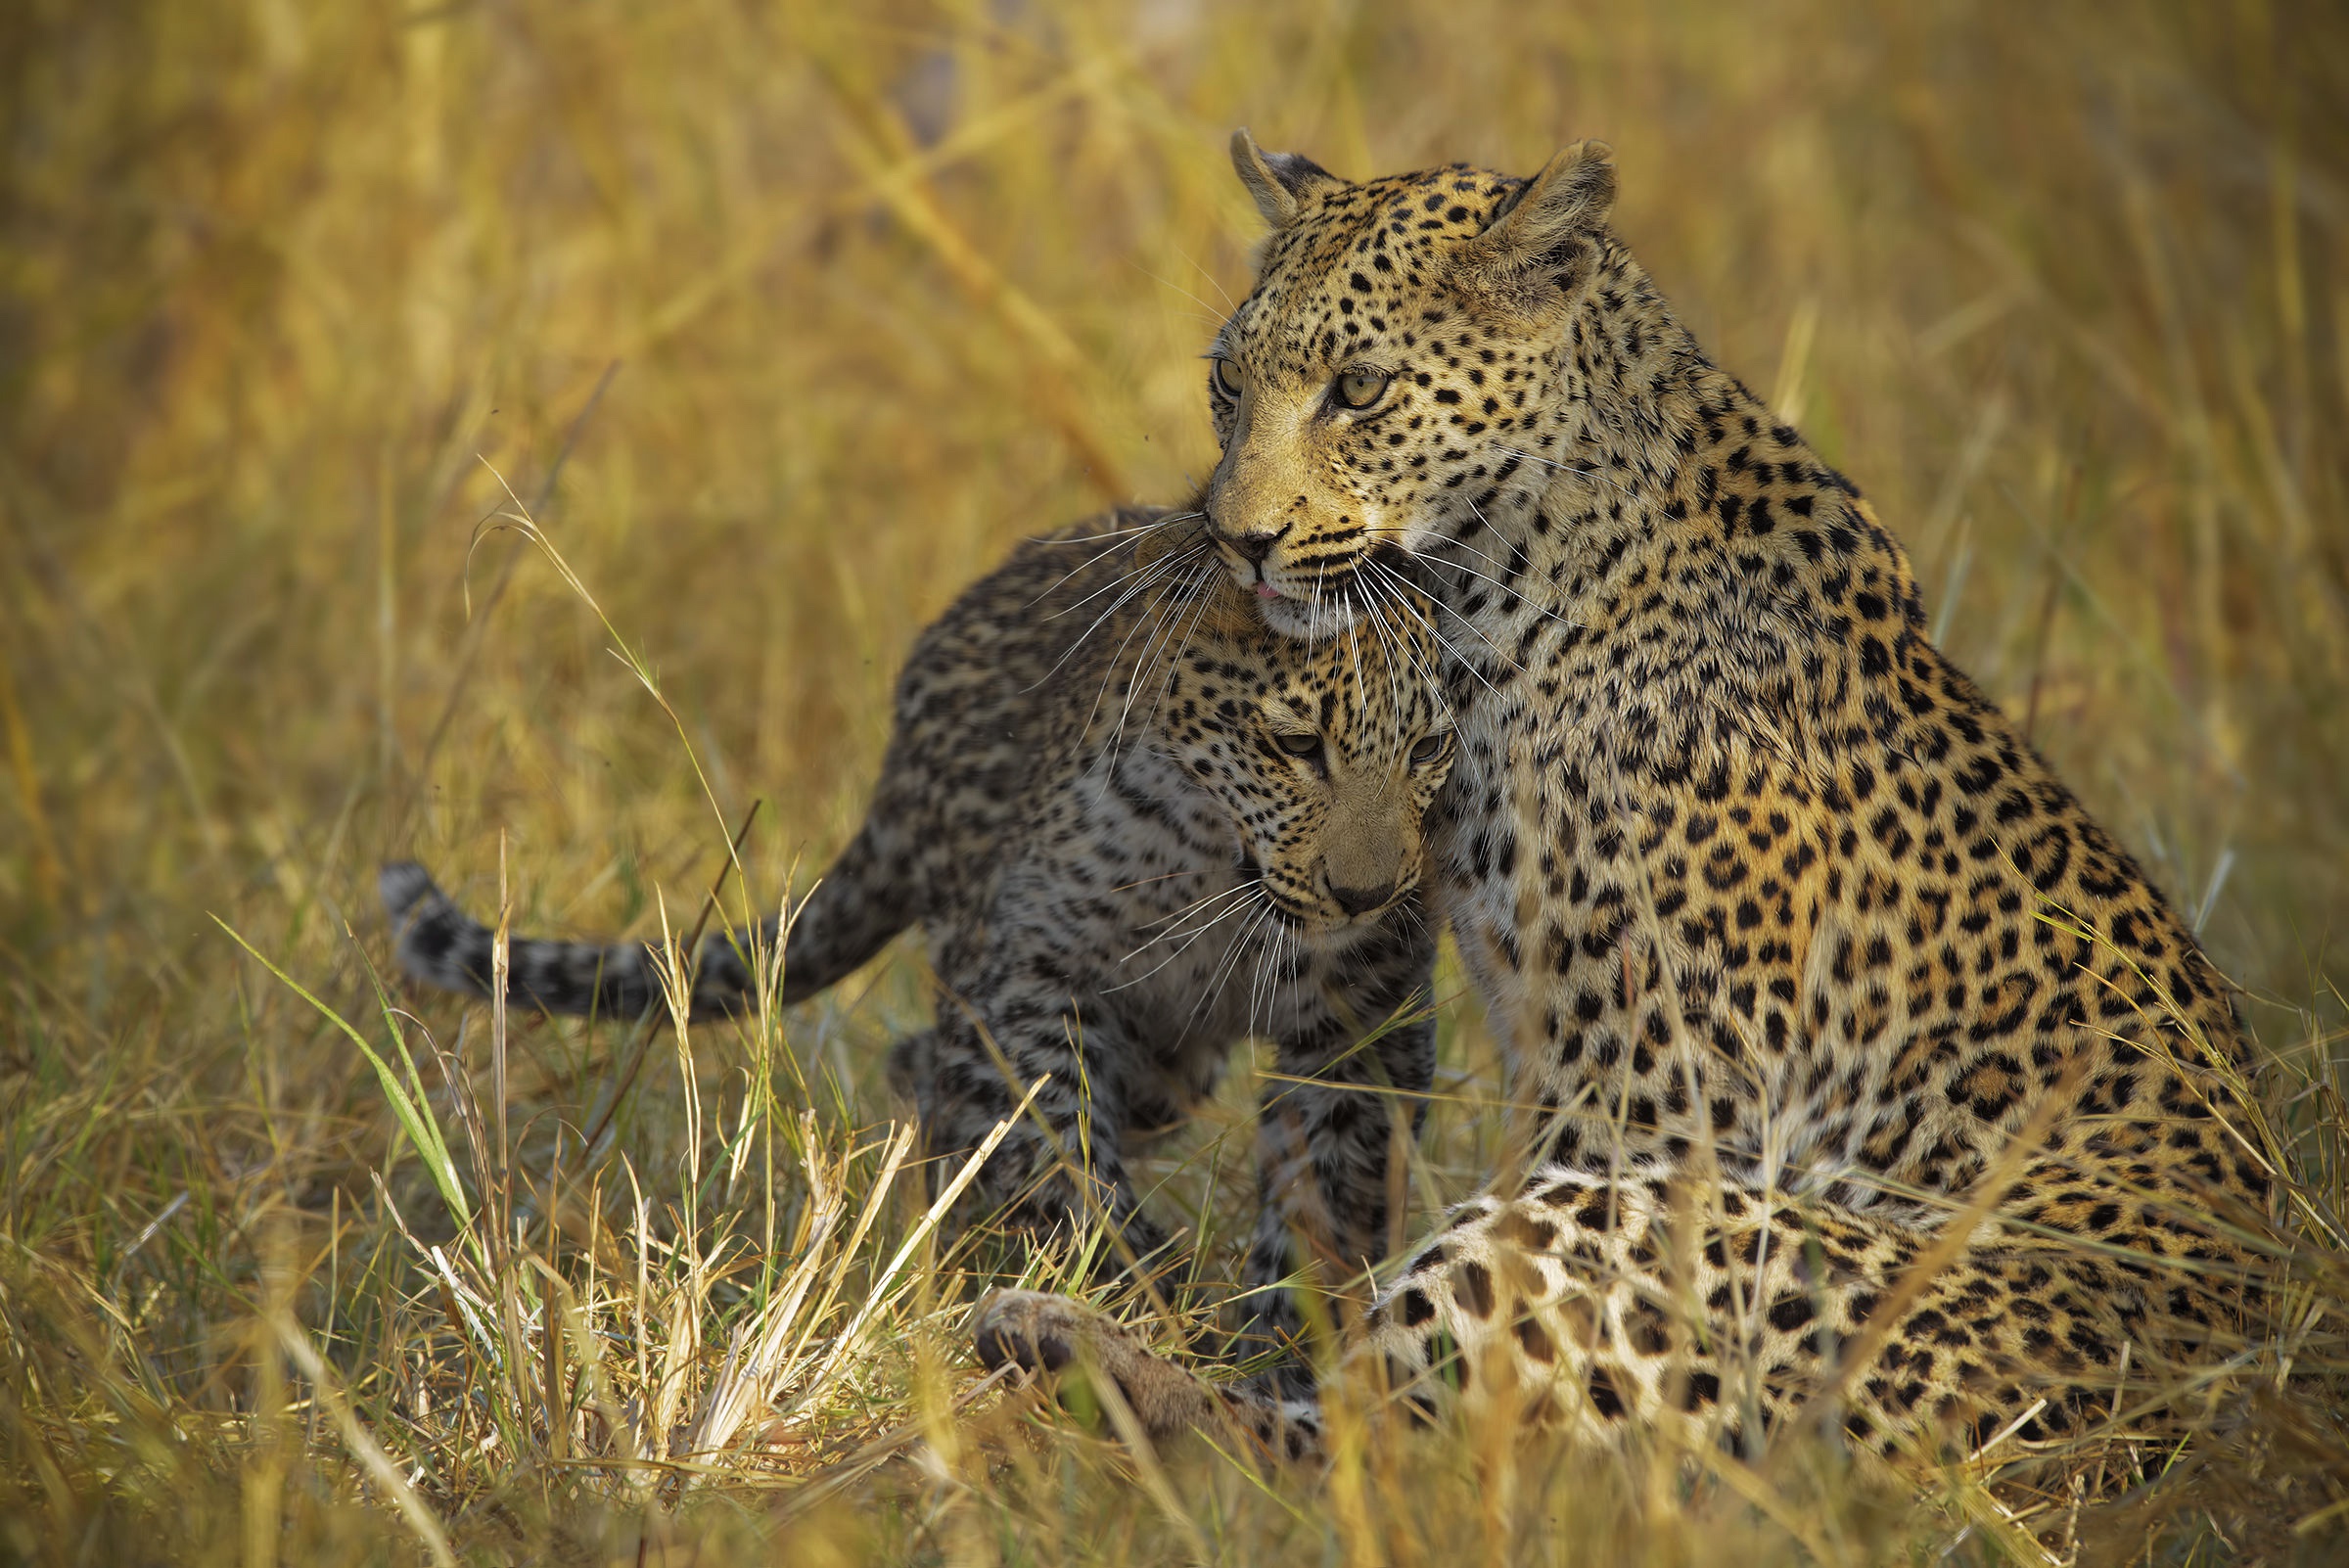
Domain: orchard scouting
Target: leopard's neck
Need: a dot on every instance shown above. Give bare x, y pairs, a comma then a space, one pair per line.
1663, 505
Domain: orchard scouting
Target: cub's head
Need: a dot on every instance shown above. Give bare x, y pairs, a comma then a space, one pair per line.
1326, 753
1407, 354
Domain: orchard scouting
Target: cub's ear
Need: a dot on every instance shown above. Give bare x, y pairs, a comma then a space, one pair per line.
1570, 197
1279, 181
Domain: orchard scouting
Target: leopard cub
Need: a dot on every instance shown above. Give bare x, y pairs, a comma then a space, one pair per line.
1136, 827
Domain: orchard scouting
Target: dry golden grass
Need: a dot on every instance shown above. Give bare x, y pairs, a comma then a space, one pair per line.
285, 290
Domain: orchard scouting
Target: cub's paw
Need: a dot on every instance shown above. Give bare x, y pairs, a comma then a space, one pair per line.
1046, 1333
913, 1073
1033, 1332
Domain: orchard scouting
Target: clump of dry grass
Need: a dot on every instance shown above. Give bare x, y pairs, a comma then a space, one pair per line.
285, 289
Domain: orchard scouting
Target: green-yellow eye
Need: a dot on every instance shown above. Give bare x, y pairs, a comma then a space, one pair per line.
1301, 746
1227, 378
1360, 389
1430, 748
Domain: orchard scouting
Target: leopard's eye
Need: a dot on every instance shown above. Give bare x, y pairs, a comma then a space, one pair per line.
1300, 745
1430, 748
1360, 388
1227, 378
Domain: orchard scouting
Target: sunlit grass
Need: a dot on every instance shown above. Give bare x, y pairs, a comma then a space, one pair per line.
782, 323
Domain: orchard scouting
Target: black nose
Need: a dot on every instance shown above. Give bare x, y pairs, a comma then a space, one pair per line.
1361, 900
1254, 546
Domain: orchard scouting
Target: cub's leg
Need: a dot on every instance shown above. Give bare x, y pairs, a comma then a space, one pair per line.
1061, 1167
1324, 1160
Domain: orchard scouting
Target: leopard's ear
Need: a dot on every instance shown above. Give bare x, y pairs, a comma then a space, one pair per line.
1280, 182
1569, 199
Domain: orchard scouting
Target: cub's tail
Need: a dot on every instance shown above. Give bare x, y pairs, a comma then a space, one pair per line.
444, 946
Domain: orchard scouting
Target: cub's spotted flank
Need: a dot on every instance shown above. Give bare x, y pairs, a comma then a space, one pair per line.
1801, 946
1136, 828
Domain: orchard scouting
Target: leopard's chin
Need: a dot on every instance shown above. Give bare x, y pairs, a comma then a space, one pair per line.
1306, 618
1330, 599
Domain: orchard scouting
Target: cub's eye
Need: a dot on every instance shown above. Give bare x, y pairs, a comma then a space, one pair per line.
1430, 748
1360, 389
1227, 378
1303, 746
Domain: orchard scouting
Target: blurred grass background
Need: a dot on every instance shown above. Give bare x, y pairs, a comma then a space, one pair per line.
869, 292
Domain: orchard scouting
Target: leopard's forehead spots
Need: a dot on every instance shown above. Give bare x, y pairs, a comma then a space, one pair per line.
1335, 277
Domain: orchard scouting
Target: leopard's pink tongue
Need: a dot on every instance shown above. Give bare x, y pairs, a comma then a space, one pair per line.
1266, 590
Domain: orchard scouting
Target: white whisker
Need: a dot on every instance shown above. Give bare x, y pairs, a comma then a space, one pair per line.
1161, 636
1593, 472
1116, 536
1224, 966
1464, 662
1151, 576
1173, 559
1195, 903
1191, 942
1151, 618
1200, 600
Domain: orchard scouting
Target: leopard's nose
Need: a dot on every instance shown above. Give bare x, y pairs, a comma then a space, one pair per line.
1361, 900
1254, 546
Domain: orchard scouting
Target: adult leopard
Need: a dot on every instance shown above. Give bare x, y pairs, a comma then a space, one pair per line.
1877, 1079
1136, 828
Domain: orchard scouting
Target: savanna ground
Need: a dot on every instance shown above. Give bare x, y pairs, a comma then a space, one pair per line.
781, 322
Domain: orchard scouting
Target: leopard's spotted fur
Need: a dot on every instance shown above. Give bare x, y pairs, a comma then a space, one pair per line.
1798, 942
1136, 828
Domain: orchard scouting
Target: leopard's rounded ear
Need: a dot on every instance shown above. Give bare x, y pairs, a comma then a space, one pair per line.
1280, 182
1571, 198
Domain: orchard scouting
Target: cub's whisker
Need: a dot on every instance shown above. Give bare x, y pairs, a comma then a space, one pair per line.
1229, 962
1190, 937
